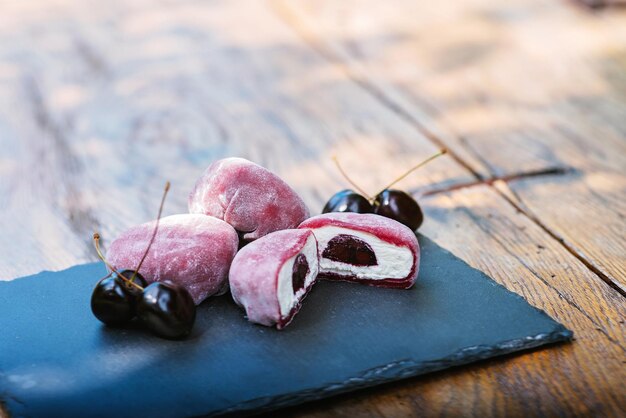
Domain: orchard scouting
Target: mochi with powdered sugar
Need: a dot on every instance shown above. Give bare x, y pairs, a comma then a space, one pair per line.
270, 277
365, 248
194, 251
247, 196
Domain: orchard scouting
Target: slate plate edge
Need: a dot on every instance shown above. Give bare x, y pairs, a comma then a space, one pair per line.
395, 371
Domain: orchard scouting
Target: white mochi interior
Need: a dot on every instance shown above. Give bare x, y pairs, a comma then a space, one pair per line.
286, 297
394, 262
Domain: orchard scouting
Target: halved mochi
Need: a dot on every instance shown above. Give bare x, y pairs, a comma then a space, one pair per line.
252, 199
194, 251
271, 276
365, 248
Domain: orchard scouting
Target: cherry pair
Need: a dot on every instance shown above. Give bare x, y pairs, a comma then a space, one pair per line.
391, 203
165, 308
394, 204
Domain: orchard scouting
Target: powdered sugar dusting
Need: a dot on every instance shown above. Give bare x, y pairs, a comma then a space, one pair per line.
254, 273
194, 251
247, 196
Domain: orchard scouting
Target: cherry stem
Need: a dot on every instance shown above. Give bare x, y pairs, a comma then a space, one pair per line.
415, 167
345, 175
154, 233
96, 241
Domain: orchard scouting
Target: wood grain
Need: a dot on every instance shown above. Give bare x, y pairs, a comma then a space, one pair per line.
509, 88
100, 103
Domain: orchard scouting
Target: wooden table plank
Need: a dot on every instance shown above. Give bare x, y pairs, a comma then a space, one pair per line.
101, 104
512, 88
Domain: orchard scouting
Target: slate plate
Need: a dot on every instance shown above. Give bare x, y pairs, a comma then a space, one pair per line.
57, 360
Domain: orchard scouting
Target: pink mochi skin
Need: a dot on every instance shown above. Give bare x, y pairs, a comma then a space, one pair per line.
247, 196
384, 228
194, 251
254, 276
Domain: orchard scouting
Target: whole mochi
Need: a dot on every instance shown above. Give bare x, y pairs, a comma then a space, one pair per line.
251, 198
194, 251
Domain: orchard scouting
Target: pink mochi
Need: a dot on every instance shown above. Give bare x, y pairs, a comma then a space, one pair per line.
365, 248
194, 251
271, 276
249, 197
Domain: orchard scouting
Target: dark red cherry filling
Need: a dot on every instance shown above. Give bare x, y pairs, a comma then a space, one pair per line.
299, 272
351, 250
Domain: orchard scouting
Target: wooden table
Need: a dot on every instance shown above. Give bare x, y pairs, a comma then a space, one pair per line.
101, 102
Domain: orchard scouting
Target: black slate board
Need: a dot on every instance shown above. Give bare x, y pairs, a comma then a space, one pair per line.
57, 360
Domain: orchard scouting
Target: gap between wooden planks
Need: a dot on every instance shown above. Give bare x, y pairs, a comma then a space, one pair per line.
600, 4
509, 88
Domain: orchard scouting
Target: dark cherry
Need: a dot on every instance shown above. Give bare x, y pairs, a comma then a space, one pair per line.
138, 279
299, 272
400, 206
350, 249
114, 300
167, 310
111, 302
348, 201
